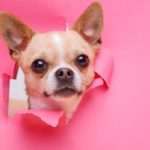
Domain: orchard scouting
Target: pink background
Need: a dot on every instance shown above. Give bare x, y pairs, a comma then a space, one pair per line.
113, 119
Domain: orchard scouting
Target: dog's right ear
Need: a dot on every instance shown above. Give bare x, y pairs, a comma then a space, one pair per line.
16, 34
90, 24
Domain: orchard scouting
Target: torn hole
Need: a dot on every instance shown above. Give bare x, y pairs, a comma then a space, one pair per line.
18, 97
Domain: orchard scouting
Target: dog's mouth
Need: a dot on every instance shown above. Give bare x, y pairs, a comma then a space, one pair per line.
65, 92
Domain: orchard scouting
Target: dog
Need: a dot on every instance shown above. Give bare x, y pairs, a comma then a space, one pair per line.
58, 65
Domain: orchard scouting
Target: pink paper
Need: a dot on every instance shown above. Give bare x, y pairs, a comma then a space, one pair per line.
109, 119
4, 95
7, 65
51, 118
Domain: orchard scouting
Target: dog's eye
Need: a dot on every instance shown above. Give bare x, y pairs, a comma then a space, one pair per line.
39, 66
82, 61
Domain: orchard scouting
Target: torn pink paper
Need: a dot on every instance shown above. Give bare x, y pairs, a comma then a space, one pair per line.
52, 118
103, 70
4, 94
8, 65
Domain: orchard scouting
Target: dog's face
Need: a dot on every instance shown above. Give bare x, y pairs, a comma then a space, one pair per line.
60, 66
57, 65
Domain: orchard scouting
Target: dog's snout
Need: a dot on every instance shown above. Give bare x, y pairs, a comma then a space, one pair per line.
64, 74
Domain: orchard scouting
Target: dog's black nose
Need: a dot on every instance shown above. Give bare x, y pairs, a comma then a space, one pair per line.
64, 74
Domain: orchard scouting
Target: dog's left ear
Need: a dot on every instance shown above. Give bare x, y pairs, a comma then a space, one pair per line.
16, 34
90, 24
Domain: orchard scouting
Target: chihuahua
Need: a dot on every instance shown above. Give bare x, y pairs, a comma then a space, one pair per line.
59, 65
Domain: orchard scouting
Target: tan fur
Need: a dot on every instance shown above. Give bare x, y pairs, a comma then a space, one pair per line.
13, 29
92, 18
56, 48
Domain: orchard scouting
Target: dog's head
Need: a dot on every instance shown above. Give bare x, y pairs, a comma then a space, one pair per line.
56, 64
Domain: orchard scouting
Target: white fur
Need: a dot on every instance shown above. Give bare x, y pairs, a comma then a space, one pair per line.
59, 44
51, 80
39, 103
